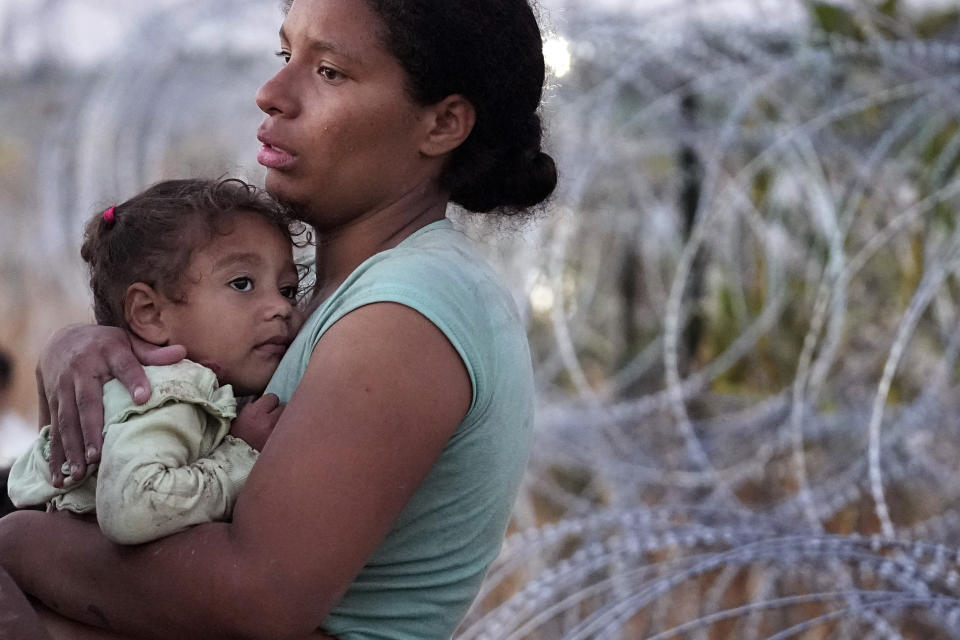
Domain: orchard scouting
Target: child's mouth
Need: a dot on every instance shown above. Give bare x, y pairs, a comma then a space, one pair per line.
273, 346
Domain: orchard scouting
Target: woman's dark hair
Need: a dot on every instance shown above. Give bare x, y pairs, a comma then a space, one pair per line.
491, 52
153, 235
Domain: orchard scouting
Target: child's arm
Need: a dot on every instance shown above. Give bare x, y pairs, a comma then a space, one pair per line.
152, 481
256, 420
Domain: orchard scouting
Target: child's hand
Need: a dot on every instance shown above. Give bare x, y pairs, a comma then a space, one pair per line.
256, 420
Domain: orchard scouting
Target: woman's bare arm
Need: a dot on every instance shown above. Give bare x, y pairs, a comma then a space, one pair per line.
21, 619
18, 620
382, 394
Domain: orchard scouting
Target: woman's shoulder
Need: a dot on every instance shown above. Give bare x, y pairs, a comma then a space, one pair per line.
438, 264
437, 272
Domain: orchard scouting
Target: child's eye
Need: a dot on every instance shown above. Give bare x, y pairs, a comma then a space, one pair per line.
290, 293
242, 284
283, 55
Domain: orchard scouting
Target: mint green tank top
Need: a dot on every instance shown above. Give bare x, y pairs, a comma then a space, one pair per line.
420, 581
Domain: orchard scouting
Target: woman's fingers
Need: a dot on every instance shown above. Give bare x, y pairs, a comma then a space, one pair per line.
125, 366
47, 408
72, 438
147, 353
57, 453
42, 405
89, 412
77, 423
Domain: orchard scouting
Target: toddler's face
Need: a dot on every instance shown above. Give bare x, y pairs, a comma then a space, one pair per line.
240, 312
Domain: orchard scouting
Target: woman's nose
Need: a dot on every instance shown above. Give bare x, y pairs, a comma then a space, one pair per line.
275, 96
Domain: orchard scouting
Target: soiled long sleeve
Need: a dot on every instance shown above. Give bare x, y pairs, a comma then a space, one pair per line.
153, 479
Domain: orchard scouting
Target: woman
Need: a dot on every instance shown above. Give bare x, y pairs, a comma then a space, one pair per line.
383, 492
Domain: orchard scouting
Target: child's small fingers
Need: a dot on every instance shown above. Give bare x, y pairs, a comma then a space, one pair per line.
268, 402
273, 418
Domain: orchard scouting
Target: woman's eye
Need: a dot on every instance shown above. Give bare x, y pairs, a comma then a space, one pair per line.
329, 74
283, 55
242, 284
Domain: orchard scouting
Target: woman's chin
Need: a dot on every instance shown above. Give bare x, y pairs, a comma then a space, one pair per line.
279, 186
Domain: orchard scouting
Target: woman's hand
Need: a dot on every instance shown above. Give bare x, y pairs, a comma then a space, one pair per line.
256, 420
74, 365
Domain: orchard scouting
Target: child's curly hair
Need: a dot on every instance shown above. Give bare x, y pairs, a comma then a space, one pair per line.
153, 235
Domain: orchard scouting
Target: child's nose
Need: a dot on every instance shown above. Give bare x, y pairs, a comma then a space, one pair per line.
279, 306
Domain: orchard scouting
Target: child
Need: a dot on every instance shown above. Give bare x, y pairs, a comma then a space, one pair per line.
207, 265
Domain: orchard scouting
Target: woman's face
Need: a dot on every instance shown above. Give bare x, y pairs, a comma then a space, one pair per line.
341, 135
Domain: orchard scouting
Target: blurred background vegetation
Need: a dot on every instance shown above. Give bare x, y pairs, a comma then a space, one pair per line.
743, 302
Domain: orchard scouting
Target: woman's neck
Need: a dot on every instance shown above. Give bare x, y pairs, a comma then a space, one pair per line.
341, 250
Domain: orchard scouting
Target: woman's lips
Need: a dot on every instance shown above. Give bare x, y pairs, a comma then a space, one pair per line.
274, 157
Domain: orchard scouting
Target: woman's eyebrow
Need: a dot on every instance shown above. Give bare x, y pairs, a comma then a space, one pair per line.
323, 45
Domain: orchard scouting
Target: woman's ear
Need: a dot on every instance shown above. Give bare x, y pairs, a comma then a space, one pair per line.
143, 311
451, 121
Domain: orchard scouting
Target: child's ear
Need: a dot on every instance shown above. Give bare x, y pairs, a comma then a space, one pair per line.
450, 122
143, 311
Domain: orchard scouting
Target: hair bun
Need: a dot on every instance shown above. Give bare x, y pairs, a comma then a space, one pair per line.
509, 184
534, 181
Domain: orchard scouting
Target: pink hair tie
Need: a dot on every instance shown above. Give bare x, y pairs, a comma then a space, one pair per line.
109, 217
